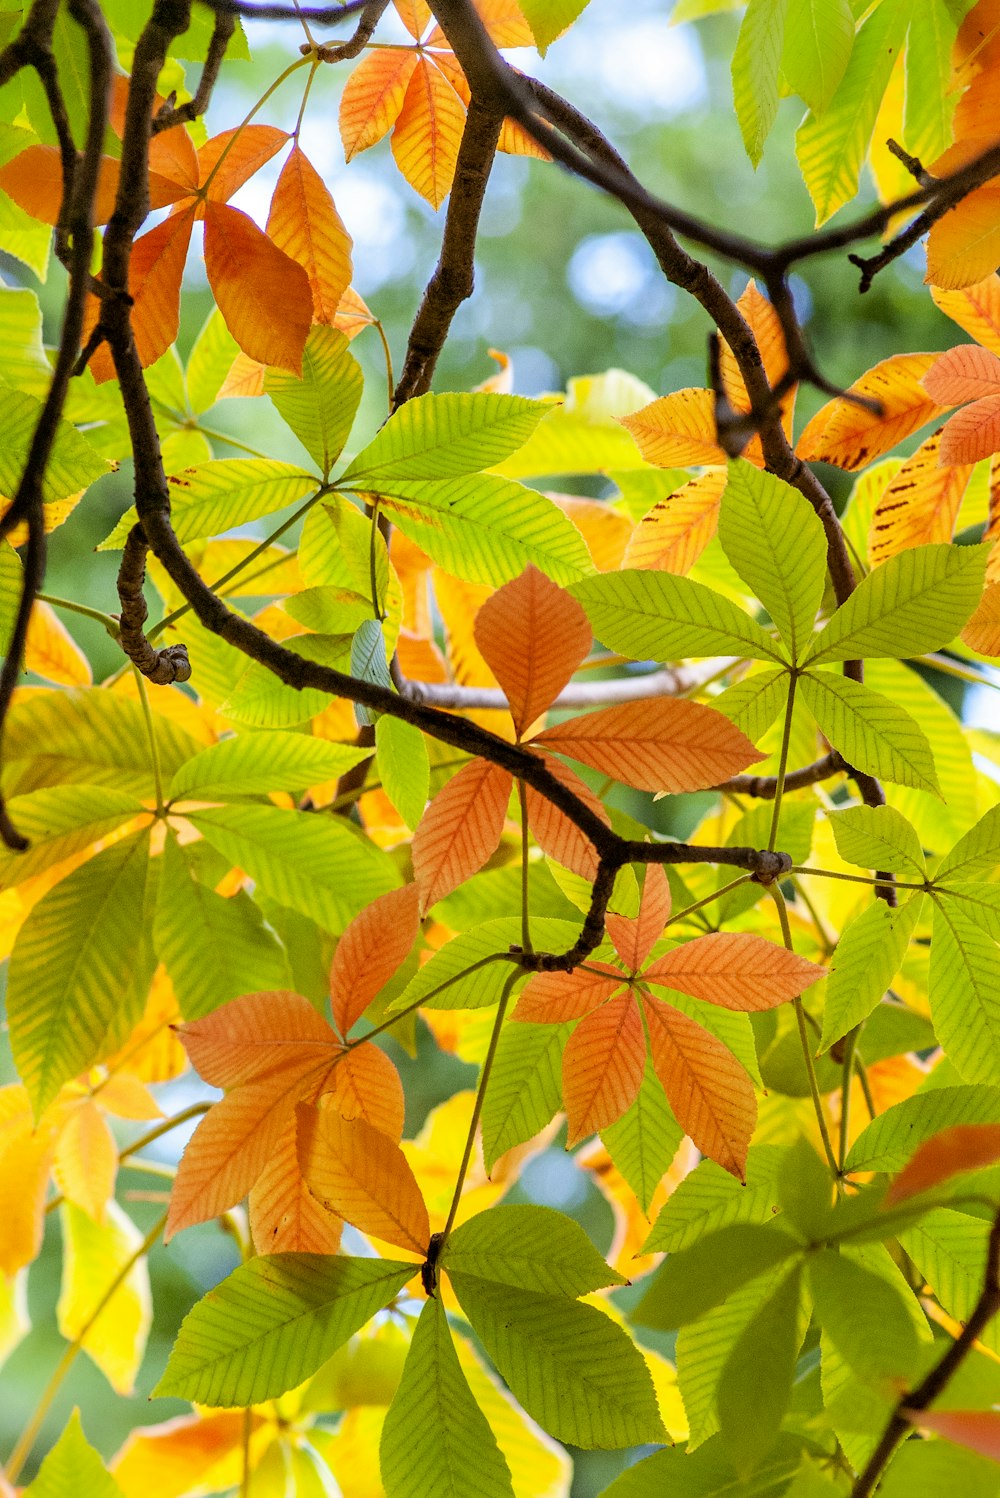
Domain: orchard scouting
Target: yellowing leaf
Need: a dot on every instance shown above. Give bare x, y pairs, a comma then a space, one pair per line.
51, 651
25, 1160
428, 133
372, 947
851, 436
674, 533
982, 633
975, 308
533, 635
86, 1160
373, 97
677, 429
305, 224
263, 294
363, 1176
602, 1069
94, 1254
735, 969
460, 830
919, 505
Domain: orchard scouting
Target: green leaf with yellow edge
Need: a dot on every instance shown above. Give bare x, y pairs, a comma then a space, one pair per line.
548, 19
850, 1302
94, 1255
964, 989
533, 1248
273, 1322
255, 764
59, 821
525, 1090
72, 968
656, 616
435, 1438
645, 1139
317, 865
444, 436
216, 496
819, 38
756, 68
868, 956
830, 149
913, 603
321, 406
574, 1371
872, 732
73, 1469
756, 1381
403, 767
878, 837
694, 1280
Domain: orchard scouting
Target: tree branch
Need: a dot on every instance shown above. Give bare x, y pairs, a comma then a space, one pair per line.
670, 682
167, 118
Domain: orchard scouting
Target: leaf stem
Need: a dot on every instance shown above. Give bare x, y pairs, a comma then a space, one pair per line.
376, 323
195, 1110
293, 67
525, 918
853, 878
847, 1076
425, 998
154, 748
786, 739
109, 623
716, 894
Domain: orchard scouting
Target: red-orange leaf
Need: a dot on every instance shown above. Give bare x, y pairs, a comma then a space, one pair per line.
460, 830
264, 296
678, 429
602, 1067
156, 269
982, 633
977, 45
851, 436
634, 939
973, 432
533, 635
551, 998
285, 1217
367, 1085
363, 1176
257, 1035
735, 970
949, 1153
371, 949
976, 1430
920, 504
428, 133
234, 156
976, 309
305, 224
373, 97
665, 744
965, 373
555, 834
674, 533
711, 1095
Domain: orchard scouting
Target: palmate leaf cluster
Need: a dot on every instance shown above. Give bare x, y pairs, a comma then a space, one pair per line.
455, 833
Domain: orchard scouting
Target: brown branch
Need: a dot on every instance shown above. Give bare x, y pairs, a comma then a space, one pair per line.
765, 787
318, 15
369, 19
941, 1374
160, 666
166, 118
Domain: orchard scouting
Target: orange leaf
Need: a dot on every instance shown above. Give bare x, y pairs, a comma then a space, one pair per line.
605, 530
192, 1452
678, 429
367, 1086
373, 97
674, 533
372, 947
428, 133
237, 154
419, 659
263, 295
602, 1067
515, 141
976, 1430
555, 834
964, 246
982, 633
285, 1217
305, 224
976, 309
51, 651
973, 432
949, 1153
533, 635
352, 314
976, 111
962, 374
765, 325
86, 1160
256, 1036
711, 1095
155, 272
977, 45
851, 436
245, 377
460, 830
551, 998
172, 156
635, 939
665, 744
919, 506
33, 179
735, 970
505, 23
363, 1176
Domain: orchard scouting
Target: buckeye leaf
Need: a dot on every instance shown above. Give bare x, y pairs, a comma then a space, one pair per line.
321, 406
756, 1382
213, 497
254, 764
656, 616
878, 837
697, 1278
867, 958
872, 732
964, 988
442, 436
535, 1248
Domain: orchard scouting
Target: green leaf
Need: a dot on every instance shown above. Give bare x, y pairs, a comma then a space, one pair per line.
889, 1140
403, 767
317, 865
755, 702
321, 406
210, 361
255, 764
216, 496
710, 1198
696, 1279
964, 991
72, 466
819, 38
273, 1322
865, 1318
214, 949
937, 824
446, 980
868, 956
435, 1438
645, 1139
73, 1469
525, 1089
878, 837
979, 901
872, 732
915, 602
11, 584
937, 1469
708, 1473
977, 852
950, 1248
486, 529
24, 365
550, 18
930, 99
583, 435
260, 699
534, 1248
776, 542
59, 821
336, 551
369, 663
756, 1382
805, 1191
72, 969
756, 67
443, 436
573, 1370
831, 149
656, 616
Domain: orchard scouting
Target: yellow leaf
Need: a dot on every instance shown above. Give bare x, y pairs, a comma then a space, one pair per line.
202, 1453
852, 436
674, 533
51, 651
976, 309
15, 1323
94, 1254
920, 503
25, 1160
86, 1160
428, 133
677, 430
373, 97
